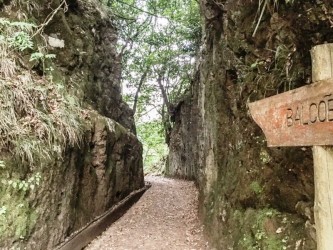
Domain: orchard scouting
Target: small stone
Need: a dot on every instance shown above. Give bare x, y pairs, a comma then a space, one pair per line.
55, 42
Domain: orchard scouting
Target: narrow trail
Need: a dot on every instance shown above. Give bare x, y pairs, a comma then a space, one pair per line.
164, 218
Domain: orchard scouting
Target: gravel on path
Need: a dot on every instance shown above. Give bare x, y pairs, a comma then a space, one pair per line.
164, 218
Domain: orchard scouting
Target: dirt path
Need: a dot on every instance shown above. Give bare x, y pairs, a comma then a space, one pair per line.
164, 218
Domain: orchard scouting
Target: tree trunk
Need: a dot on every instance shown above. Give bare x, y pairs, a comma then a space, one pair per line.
136, 98
164, 95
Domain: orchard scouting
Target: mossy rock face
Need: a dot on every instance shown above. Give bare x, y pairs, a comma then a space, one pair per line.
268, 229
66, 185
227, 151
17, 218
71, 190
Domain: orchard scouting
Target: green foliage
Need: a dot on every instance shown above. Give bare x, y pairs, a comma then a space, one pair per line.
256, 187
151, 134
160, 38
264, 156
16, 35
21, 41
23, 185
256, 237
158, 43
41, 56
17, 219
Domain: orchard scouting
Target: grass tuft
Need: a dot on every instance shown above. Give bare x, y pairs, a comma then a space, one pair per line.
37, 115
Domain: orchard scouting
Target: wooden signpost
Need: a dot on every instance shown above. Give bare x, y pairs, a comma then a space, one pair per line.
304, 117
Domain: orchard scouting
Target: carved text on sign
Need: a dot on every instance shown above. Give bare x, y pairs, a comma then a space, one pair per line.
310, 113
300, 117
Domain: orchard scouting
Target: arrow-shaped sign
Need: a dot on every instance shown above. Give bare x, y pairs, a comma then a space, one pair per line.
300, 117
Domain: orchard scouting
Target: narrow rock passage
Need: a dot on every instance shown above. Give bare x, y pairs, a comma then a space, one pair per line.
164, 218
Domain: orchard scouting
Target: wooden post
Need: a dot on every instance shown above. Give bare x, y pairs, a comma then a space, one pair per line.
322, 69
304, 117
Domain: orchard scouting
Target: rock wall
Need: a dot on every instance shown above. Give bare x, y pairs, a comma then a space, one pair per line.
84, 184
251, 196
184, 148
42, 204
89, 59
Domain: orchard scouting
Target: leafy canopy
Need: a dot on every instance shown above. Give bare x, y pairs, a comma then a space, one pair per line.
158, 43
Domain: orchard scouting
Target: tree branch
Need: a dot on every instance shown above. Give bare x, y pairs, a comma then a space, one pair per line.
139, 9
49, 18
142, 80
